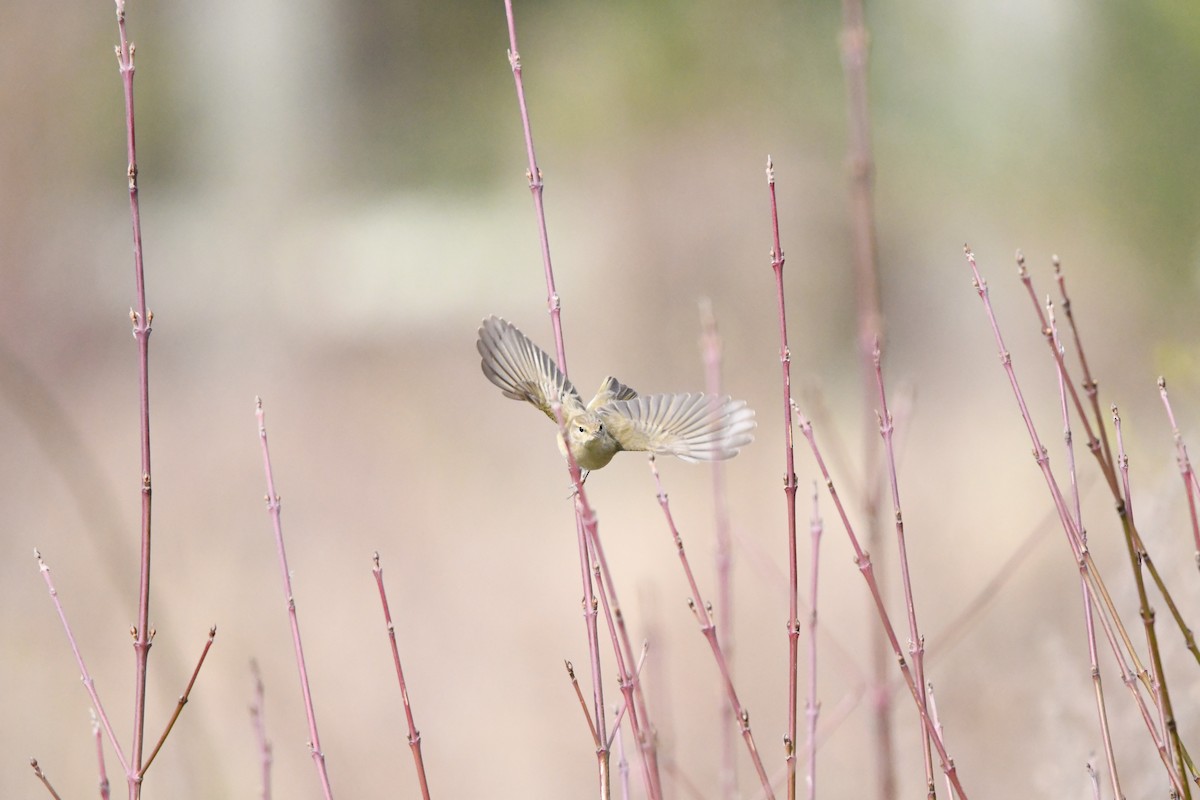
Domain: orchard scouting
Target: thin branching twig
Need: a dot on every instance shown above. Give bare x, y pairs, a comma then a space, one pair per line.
273, 510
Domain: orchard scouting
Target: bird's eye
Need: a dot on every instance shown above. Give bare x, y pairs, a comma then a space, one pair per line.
581, 429
600, 428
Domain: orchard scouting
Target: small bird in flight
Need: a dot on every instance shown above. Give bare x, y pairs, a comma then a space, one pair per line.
694, 427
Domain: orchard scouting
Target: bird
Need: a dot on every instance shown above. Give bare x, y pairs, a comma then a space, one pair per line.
690, 426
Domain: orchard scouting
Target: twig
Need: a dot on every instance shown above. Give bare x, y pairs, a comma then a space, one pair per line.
142, 318
1090, 386
916, 642
414, 736
813, 707
1190, 485
625, 701
587, 715
86, 677
554, 306
937, 723
710, 346
102, 770
1088, 607
1158, 680
183, 698
863, 560
41, 776
709, 628
585, 530
622, 762
273, 509
789, 491
1109, 619
257, 719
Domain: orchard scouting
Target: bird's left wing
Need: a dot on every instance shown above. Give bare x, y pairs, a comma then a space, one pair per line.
694, 427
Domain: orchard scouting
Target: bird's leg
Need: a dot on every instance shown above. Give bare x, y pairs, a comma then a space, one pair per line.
583, 476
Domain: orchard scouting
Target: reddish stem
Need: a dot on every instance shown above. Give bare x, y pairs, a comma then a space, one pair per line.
709, 629
789, 491
183, 699
863, 560
142, 319
414, 736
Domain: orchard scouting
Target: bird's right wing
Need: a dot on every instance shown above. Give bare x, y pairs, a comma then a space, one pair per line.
694, 427
521, 369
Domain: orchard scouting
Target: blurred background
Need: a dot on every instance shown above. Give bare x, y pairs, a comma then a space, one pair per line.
333, 197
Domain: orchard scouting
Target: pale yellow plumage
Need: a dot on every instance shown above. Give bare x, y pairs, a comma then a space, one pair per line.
694, 427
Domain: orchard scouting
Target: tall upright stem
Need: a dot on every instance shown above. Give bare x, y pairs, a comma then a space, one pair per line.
534, 174
789, 491
141, 319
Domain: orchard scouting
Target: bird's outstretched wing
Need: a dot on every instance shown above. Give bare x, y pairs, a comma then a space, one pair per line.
612, 389
521, 369
694, 427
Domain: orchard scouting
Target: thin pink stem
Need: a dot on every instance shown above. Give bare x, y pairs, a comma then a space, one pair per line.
789, 491
812, 707
554, 305
273, 509
86, 677
102, 769
534, 174
414, 736
709, 628
1185, 466
1094, 444
1090, 386
710, 342
1109, 619
916, 642
867, 570
142, 319
258, 720
1088, 606
622, 648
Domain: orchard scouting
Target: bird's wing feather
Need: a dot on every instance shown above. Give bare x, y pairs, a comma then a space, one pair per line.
612, 389
521, 369
694, 427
